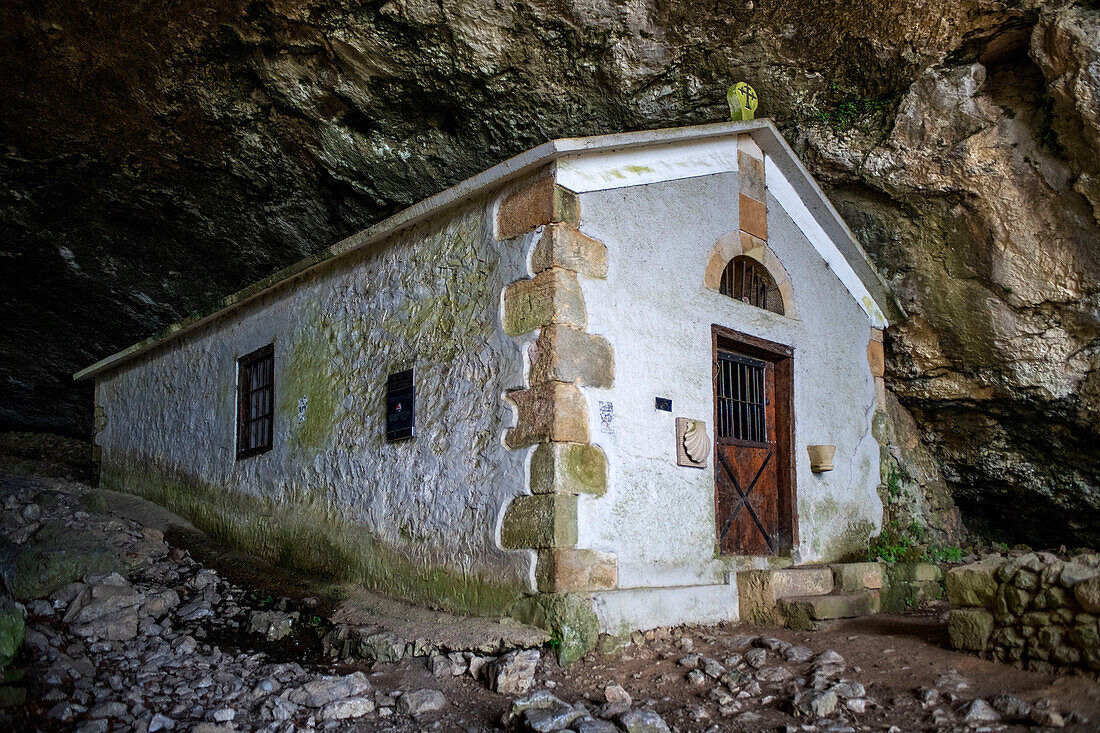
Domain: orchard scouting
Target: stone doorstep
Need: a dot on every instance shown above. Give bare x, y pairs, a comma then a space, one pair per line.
832, 605
797, 582
759, 591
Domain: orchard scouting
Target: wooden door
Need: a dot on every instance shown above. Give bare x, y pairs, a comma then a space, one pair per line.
746, 462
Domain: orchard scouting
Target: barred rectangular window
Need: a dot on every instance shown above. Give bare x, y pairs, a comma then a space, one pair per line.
256, 402
741, 404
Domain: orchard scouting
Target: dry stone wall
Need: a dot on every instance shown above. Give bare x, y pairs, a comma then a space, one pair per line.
1034, 610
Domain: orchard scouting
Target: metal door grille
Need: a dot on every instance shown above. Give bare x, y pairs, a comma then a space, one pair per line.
741, 398
746, 280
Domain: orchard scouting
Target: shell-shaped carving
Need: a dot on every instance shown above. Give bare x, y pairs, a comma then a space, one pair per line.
696, 442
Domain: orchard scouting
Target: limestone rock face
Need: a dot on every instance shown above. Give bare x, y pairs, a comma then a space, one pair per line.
158, 157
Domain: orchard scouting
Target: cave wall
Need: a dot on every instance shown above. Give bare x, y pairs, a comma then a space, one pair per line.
158, 156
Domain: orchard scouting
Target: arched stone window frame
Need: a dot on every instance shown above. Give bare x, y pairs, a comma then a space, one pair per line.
739, 244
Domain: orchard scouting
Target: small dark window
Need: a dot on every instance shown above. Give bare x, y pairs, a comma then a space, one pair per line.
750, 282
255, 401
741, 398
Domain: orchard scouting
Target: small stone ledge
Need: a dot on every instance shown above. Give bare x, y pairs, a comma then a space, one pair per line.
552, 296
563, 246
568, 468
543, 202
570, 569
541, 521
551, 412
566, 354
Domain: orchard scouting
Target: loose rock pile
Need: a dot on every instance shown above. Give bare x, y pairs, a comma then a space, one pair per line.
127, 633
1035, 610
131, 648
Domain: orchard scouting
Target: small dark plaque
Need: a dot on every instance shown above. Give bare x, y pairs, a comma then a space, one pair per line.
400, 406
664, 403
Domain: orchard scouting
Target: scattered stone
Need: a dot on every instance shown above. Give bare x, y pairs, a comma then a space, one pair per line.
352, 707
161, 722
514, 673
691, 661
421, 701
1010, 706
589, 724
979, 711
772, 674
1047, 718
756, 658
642, 721
274, 625
798, 654
848, 690
616, 693
711, 667
545, 720
62, 711
815, 703
828, 657
108, 710
323, 690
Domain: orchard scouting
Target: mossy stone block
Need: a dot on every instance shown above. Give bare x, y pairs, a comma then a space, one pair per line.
970, 628
564, 246
552, 412
567, 354
552, 296
568, 468
542, 202
569, 617
570, 569
973, 585
540, 521
57, 557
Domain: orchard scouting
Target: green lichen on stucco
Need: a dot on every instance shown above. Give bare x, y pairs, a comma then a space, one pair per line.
304, 532
851, 539
310, 387
457, 313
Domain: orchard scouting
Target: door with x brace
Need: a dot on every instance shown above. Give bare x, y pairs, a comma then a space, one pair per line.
746, 465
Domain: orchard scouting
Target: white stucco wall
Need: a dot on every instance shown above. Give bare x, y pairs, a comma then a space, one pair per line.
655, 311
428, 298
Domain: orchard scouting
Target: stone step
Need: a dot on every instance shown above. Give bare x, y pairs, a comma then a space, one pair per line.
797, 582
760, 590
808, 611
851, 577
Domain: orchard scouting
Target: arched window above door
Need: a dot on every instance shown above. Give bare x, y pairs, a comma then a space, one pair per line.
749, 281
744, 268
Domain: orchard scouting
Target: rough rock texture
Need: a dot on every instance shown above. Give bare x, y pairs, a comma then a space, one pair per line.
156, 157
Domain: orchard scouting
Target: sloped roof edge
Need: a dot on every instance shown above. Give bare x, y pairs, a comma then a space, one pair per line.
764, 132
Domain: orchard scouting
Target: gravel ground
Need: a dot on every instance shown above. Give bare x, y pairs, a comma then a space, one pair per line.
150, 638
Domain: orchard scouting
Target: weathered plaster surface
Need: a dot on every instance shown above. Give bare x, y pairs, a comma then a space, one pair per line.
417, 518
657, 314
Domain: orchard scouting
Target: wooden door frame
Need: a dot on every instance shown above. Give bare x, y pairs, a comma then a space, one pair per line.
782, 357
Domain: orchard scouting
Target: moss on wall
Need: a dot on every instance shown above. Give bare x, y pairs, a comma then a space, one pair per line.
310, 384
306, 533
